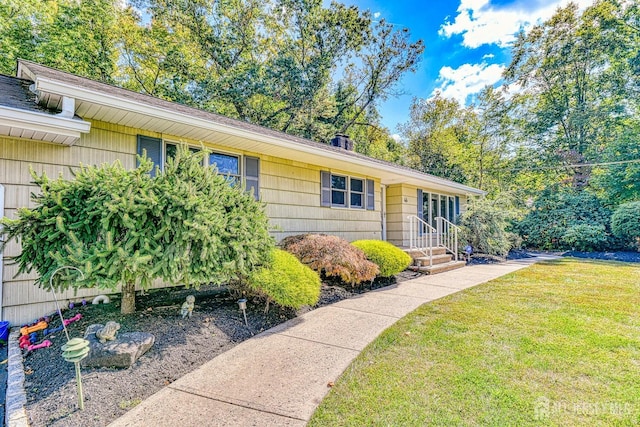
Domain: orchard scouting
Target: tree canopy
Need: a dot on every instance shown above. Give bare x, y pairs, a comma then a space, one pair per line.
298, 66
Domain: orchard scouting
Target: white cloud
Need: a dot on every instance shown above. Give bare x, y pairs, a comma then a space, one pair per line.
479, 22
376, 15
488, 56
468, 79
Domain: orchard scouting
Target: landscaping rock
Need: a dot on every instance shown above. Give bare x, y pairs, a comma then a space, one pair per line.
119, 353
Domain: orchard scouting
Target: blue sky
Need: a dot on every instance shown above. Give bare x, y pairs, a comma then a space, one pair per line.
467, 44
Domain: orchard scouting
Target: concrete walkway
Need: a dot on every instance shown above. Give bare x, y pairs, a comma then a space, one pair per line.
279, 377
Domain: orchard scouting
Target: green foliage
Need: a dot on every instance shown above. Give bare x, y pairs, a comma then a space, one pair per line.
389, 259
121, 227
585, 237
621, 181
331, 256
556, 210
286, 281
625, 222
484, 226
573, 74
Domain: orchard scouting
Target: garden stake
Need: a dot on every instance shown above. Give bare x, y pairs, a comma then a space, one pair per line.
75, 349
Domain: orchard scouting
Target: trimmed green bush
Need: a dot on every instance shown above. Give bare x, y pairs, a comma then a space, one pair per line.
625, 223
390, 259
585, 237
331, 256
286, 281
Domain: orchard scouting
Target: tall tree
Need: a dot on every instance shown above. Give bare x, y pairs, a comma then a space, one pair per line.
74, 36
433, 137
571, 95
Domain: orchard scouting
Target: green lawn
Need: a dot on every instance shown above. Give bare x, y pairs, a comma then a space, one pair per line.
554, 344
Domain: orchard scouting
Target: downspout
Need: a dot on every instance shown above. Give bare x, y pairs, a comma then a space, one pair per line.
1, 258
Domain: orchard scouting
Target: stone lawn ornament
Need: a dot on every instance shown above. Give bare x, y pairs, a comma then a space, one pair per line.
111, 349
187, 306
108, 332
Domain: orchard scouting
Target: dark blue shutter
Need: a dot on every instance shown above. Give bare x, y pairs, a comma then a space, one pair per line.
325, 190
371, 198
420, 205
153, 149
252, 175
457, 207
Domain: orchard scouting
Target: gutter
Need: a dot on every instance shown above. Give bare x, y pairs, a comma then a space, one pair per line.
45, 84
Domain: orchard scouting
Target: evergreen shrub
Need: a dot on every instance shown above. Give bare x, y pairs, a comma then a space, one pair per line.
555, 211
286, 281
331, 257
585, 237
389, 259
484, 226
625, 223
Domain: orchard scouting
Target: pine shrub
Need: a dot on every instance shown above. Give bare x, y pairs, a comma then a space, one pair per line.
124, 228
625, 223
389, 259
331, 256
286, 281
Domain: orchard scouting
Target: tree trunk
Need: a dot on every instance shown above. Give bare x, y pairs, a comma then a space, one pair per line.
128, 304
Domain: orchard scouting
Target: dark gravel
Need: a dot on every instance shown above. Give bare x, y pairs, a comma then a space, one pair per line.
180, 347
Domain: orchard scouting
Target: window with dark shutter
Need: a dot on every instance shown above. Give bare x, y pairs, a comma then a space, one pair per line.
371, 198
325, 191
153, 149
420, 205
252, 175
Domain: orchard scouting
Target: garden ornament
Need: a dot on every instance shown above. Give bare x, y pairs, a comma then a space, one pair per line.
187, 306
108, 332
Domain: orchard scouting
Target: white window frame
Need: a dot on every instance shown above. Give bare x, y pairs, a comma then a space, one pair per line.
363, 193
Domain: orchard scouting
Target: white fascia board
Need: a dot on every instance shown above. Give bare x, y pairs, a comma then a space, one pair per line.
42, 122
105, 99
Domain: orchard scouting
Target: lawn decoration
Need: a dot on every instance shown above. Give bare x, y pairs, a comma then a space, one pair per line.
74, 351
26, 330
101, 299
52, 331
108, 332
75, 318
24, 341
43, 344
187, 306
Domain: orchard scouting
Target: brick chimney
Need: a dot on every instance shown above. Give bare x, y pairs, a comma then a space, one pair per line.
342, 141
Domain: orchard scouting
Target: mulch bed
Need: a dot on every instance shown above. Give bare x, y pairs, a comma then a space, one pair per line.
181, 345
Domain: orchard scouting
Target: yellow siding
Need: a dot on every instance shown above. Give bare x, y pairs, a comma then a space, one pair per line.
402, 201
291, 190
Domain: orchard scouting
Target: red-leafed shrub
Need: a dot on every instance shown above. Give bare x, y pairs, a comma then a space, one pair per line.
331, 256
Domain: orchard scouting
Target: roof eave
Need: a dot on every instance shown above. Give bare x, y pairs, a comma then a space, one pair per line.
43, 126
45, 84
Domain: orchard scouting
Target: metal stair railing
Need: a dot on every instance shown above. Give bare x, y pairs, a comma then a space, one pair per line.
421, 236
447, 236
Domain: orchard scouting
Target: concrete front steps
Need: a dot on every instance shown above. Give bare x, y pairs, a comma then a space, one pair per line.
441, 261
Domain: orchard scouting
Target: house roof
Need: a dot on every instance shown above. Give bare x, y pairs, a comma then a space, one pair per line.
21, 116
100, 101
